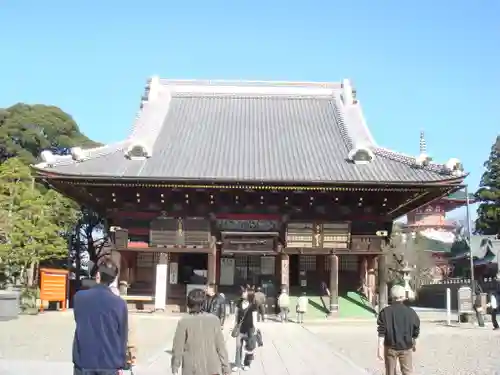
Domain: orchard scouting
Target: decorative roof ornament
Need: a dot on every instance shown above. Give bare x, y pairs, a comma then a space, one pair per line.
348, 93
423, 159
361, 155
77, 153
455, 167
137, 151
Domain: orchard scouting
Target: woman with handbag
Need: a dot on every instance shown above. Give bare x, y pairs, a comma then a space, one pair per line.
245, 331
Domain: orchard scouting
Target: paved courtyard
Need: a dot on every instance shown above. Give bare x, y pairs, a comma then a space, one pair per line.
43, 344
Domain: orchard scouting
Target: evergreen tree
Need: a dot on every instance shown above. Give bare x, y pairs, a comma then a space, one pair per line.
26, 130
33, 222
488, 220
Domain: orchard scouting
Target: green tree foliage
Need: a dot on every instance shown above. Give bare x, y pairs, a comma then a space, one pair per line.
33, 223
407, 250
488, 220
26, 130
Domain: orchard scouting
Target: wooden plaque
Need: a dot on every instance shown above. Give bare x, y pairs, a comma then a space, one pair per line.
165, 231
196, 232
300, 235
254, 242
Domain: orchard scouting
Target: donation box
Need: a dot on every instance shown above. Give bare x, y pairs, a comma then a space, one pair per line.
53, 286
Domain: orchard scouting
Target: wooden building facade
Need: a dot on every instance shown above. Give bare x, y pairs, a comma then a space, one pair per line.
249, 183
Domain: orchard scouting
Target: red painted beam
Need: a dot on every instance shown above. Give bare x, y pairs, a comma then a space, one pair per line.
248, 216
138, 231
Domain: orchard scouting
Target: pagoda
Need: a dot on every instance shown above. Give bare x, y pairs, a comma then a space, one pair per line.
250, 182
432, 226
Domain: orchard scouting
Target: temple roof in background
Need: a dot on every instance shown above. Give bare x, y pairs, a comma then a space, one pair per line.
485, 249
250, 131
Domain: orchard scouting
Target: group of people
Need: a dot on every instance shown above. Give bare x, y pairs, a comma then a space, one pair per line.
199, 346
103, 341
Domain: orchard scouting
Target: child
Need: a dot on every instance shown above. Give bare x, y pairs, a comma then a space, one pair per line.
301, 307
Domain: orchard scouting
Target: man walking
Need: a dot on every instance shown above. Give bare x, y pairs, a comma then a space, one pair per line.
398, 330
101, 334
260, 301
493, 309
215, 303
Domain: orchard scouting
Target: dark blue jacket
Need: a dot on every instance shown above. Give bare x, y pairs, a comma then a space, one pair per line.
101, 332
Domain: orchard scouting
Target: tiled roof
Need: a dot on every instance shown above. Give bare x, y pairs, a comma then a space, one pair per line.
485, 249
248, 131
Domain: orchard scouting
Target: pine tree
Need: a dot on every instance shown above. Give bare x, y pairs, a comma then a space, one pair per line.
488, 220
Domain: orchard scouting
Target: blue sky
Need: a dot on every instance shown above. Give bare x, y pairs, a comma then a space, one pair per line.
431, 65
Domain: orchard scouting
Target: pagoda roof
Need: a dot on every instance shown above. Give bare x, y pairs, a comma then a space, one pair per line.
248, 131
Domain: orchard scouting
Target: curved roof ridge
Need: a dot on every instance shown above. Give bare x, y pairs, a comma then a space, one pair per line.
340, 119
410, 160
249, 83
150, 122
89, 153
246, 87
359, 131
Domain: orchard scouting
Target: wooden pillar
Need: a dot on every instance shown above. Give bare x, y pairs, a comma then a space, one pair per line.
212, 266
382, 282
116, 258
371, 278
161, 282
334, 282
217, 266
285, 270
363, 274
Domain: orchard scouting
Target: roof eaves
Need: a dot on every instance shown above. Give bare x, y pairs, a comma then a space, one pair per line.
244, 182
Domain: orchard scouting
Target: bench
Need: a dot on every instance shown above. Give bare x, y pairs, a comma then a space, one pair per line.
139, 300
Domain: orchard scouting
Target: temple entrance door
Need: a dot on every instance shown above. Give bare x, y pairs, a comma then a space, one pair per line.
349, 279
193, 268
247, 269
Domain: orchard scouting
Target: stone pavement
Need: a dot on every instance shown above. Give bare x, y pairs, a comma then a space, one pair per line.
441, 350
289, 349
42, 344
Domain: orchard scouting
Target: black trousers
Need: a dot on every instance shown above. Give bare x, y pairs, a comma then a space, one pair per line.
494, 313
79, 371
261, 313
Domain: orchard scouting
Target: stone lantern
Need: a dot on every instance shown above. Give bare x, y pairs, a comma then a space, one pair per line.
406, 272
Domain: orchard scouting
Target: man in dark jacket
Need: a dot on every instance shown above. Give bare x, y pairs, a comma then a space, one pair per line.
398, 330
101, 317
215, 303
